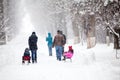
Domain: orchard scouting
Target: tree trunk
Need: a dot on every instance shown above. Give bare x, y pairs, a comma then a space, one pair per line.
91, 31
76, 33
108, 38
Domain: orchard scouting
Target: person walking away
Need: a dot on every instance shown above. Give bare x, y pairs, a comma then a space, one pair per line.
58, 44
49, 40
63, 42
33, 46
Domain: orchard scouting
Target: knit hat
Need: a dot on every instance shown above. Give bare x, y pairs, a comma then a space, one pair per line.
70, 47
33, 32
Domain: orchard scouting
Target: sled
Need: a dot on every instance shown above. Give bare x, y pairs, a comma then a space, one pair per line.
68, 55
25, 58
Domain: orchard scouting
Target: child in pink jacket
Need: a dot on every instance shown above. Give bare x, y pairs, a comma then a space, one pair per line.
69, 53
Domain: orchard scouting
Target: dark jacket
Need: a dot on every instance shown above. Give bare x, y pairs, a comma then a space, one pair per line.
64, 41
33, 42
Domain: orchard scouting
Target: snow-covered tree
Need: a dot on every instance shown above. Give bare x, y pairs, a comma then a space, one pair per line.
84, 20
12, 17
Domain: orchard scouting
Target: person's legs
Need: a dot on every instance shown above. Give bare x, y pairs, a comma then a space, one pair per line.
60, 52
57, 51
63, 53
50, 50
34, 56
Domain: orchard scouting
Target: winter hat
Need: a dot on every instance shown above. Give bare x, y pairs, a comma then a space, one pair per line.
70, 47
58, 31
33, 32
49, 34
26, 49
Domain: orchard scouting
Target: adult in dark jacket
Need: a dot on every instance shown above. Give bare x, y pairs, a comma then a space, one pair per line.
63, 42
33, 46
49, 40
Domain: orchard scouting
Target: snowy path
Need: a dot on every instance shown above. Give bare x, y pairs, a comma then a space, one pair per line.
51, 69
83, 67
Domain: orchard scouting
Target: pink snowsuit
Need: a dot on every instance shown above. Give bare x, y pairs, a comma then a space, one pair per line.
68, 54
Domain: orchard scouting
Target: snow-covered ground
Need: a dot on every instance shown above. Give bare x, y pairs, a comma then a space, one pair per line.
98, 63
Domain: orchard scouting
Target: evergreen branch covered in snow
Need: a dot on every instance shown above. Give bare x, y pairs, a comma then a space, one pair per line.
113, 30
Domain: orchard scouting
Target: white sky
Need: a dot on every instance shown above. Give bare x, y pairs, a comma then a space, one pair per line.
27, 24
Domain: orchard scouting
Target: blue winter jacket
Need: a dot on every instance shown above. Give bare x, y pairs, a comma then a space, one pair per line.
49, 39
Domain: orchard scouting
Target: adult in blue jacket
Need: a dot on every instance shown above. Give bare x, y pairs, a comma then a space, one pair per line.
49, 40
33, 46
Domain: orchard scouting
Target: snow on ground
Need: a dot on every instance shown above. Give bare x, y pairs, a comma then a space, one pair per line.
98, 63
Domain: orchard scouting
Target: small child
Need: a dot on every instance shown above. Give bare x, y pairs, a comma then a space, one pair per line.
26, 53
70, 49
26, 56
69, 53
